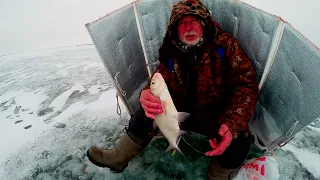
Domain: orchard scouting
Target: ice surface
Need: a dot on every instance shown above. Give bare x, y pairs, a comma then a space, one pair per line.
29, 105
89, 67
315, 129
19, 106
96, 88
60, 101
308, 160
70, 113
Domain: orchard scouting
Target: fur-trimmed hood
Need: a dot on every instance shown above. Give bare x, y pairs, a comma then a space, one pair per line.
188, 7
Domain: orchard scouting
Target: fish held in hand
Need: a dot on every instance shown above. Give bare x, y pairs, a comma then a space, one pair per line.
168, 120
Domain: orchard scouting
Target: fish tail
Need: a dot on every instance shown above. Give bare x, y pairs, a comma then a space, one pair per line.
175, 148
178, 149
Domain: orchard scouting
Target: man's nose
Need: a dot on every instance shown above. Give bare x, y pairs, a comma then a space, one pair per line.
188, 27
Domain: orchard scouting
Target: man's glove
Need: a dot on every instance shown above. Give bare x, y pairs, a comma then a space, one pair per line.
150, 103
219, 148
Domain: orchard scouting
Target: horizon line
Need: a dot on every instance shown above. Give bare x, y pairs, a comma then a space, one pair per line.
86, 44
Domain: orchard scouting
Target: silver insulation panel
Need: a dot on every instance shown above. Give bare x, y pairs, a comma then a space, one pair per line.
290, 98
154, 17
117, 41
252, 27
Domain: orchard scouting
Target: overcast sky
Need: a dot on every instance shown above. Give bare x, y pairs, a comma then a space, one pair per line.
38, 24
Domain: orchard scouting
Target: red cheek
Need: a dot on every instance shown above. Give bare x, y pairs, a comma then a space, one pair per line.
181, 31
198, 30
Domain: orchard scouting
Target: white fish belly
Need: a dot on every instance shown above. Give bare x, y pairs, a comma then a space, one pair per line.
169, 127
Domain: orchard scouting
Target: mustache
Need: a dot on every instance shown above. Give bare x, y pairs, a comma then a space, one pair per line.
190, 33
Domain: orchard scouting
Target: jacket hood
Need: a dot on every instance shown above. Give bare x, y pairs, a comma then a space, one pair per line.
189, 7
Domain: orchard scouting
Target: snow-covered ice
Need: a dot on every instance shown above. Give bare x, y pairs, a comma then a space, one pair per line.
307, 159
48, 121
96, 88
60, 101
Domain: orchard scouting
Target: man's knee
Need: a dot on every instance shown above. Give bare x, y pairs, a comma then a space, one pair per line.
236, 154
140, 128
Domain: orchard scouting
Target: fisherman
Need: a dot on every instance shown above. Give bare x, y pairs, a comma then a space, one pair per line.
209, 76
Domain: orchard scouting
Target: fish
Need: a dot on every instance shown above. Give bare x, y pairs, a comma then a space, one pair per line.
167, 121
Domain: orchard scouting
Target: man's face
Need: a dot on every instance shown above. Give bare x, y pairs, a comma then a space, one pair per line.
190, 30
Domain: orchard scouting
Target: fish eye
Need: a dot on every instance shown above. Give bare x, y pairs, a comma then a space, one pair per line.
152, 82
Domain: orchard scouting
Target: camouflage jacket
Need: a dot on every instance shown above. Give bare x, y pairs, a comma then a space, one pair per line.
225, 88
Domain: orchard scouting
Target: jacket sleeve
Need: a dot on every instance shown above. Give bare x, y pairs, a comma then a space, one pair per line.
241, 80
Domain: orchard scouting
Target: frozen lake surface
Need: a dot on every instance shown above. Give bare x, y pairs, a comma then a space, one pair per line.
55, 104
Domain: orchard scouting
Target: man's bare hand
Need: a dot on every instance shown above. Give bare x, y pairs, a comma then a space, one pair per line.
150, 104
219, 148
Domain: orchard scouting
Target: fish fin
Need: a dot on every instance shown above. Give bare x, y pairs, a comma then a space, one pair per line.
178, 149
178, 140
154, 124
159, 135
169, 148
175, 148
181, 116
181, 132
180, 136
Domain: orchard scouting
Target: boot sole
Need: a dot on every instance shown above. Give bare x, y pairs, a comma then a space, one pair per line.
103, 165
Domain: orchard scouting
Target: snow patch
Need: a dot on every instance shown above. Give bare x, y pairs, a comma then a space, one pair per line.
31, 100
64, 72
314, 128
61, 100
18, 112
307, 159
99, 65
96, 89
